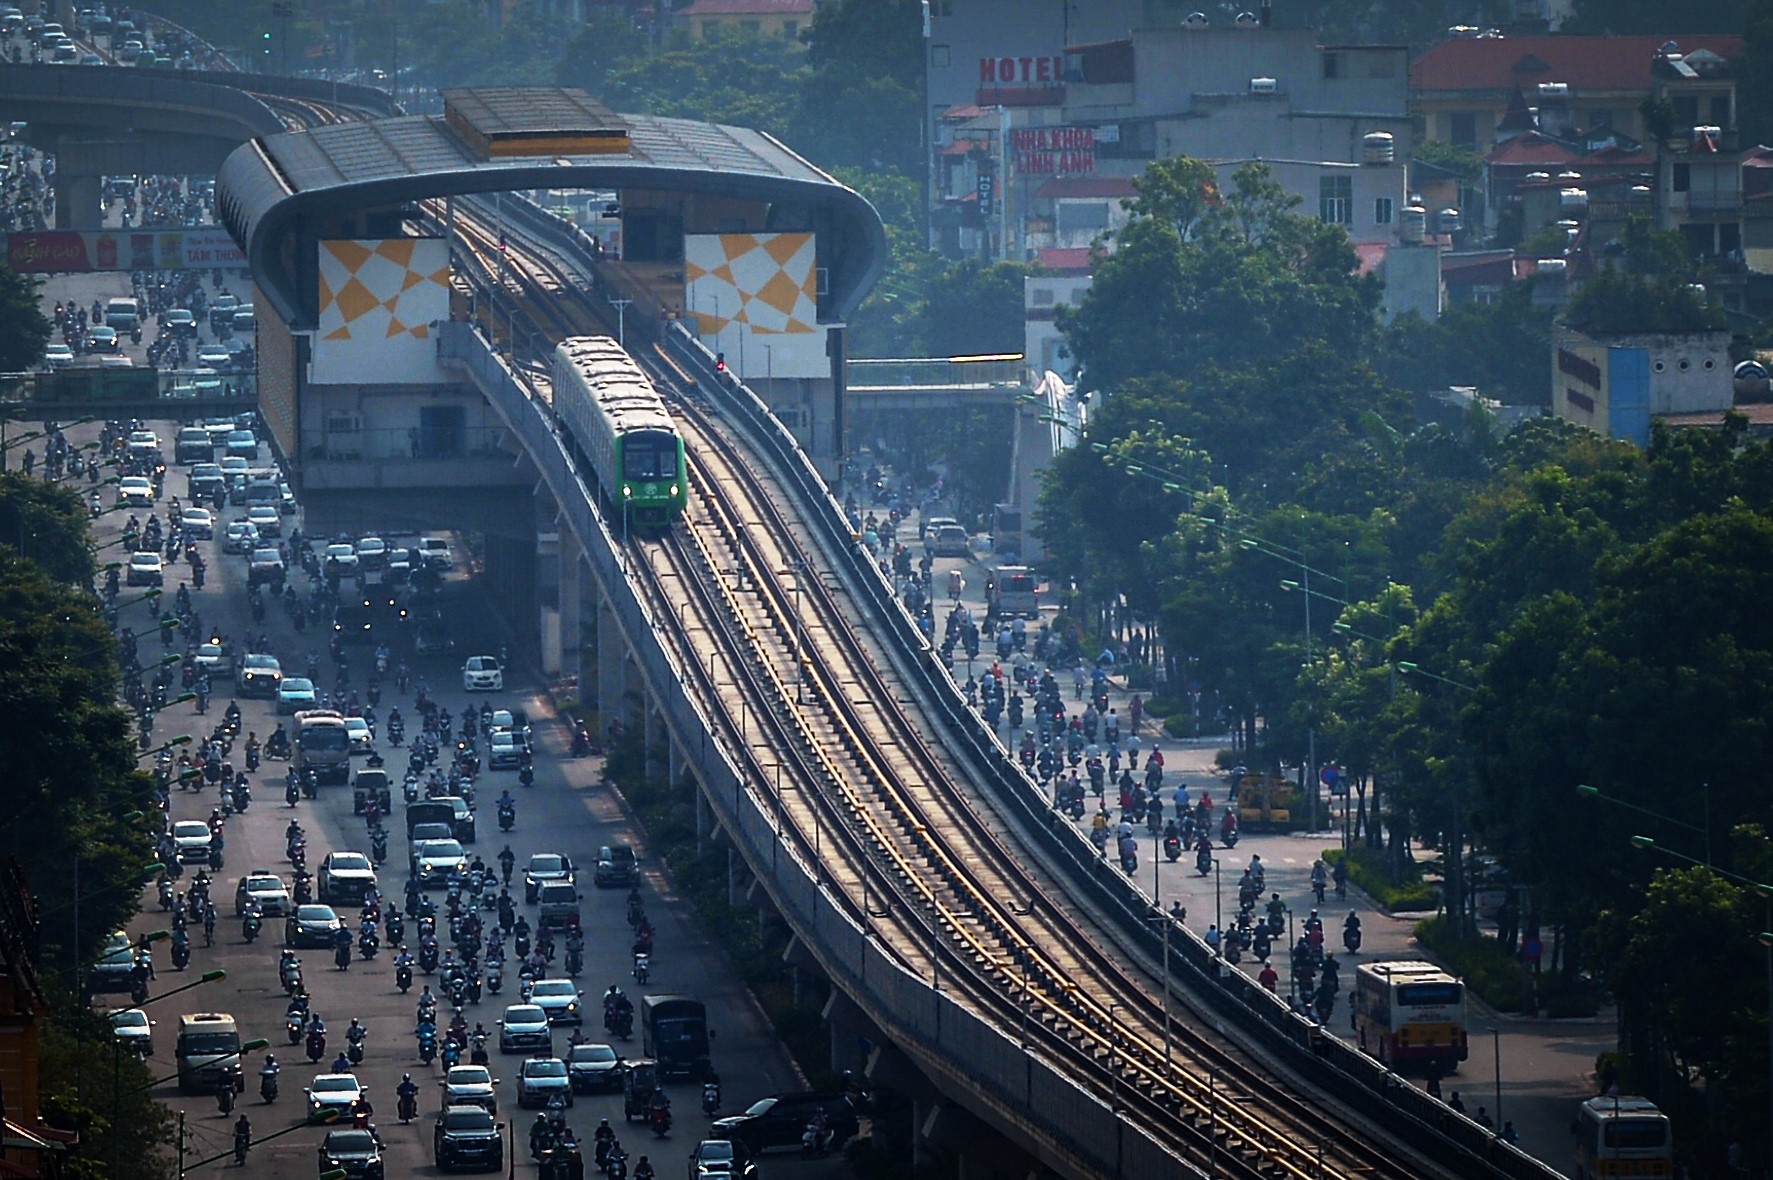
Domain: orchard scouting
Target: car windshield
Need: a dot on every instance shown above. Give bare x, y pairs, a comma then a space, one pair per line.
442, 848
351, 1142
548, 863
316, 913
263, 884
714, 1151
545, 1069
554, 987
473, 1119
593, 1054
130, 1019
483, 664
260, 661
298, 684
470, 1075
760, 1107
190, 828
349, 861
335, 1085
525, 1014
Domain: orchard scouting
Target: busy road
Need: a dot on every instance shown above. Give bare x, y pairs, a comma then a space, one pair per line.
563, 812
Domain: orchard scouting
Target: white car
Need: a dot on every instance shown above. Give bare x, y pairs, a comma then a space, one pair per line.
435, 860
146, 569
483, 674
345, 555
191, 838
143, 444
345, 877
372, 552
295, 694
503, 751
525, 1026
434, 552
559, 998
197, 523
135, 491
242, 536
334, 1091
134, 1031
357, 731
212, 656
471, 1085
267, 889
212, 356
265, 518
58, 356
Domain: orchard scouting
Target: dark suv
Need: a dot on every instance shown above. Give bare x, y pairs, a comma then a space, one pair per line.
468, 1137
782, 1120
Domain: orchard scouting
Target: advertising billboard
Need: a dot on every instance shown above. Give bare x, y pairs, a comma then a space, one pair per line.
755, 297
76, 251
379, 298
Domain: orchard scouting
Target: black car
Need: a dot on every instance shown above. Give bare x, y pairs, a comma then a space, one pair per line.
781, 1121
353, 1152
593, 1067
468, 1137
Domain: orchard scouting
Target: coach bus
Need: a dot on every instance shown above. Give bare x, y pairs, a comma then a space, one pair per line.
1623, 1135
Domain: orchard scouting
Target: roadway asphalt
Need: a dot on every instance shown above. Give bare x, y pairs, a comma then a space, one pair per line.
1546, 1066
566, 811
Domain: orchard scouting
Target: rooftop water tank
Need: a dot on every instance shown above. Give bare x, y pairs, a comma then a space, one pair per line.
1263, 86
1554, 90
1538, 177
1378, 147
1195, 20
1247, 20
1448, 221
1413, 223
1751, 381
1552, 268
1573, 200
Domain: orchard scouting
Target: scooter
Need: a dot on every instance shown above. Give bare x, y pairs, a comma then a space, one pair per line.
661, 1121
403, 977
1172, 849
710, 1097
268, 1087
354, 1051
249, 927
316, 1045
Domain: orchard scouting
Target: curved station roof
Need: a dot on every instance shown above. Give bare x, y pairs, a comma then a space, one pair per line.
271, 193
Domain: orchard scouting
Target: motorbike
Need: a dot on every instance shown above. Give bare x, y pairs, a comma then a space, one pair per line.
1351, 937
403, 977
507, 818
378, 847
495, 978
341, 956
181, 955
1172, 849
316, 1045
165, 894
710, 1098
242, 1144
428, 957
427, 1046
477, 1054
354, 1050
661, 1121
643, 968
368, 944
224, 1097
1203, 862
408, 1107
249, 927
268, 1087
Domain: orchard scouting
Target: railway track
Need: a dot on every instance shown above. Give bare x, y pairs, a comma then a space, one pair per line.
903, 844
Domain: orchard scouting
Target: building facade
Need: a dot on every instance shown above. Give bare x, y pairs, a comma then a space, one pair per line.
1616, 383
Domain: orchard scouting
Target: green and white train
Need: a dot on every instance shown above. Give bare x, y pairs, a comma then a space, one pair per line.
620, 425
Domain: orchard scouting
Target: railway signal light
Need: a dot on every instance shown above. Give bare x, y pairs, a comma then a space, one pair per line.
720, 362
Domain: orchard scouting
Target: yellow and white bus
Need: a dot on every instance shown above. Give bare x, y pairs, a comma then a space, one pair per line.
1623, 1135
1410, 1012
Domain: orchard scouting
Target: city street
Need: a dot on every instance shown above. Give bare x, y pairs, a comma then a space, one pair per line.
566, 811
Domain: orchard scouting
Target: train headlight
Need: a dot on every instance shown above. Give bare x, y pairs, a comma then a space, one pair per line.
673, 489
626, 490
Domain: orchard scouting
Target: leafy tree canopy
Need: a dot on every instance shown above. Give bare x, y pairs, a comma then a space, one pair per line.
24, 330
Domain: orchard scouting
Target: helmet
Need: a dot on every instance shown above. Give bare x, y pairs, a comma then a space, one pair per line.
406, 1077
603, 1122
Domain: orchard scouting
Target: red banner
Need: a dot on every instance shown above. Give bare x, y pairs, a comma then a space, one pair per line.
53, 250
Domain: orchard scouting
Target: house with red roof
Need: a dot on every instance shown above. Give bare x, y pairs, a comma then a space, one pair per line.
782, 20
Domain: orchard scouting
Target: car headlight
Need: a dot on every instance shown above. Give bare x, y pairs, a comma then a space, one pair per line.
573, 1007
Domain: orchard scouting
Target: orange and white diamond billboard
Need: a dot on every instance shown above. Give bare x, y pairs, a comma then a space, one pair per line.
378, 298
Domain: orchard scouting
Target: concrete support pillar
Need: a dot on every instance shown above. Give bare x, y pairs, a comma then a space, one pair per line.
612, 655
656, 735
704, 817
732, 877
77, 202
571, 573
676, 765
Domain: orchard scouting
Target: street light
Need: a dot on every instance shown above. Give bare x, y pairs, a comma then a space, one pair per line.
321, 1119
1586, 791
1496, 1040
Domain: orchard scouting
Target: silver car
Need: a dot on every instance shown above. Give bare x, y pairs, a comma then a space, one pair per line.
525, 1026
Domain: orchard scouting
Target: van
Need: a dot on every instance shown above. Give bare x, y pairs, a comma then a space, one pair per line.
208, 1053
558, 905
125, 315
1013, 592
245, 322
948, 540
193, 446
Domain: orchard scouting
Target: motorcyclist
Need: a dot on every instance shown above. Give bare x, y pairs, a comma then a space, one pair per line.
341, 1063
268, 1077
507, 861
407, 1093
541, 1135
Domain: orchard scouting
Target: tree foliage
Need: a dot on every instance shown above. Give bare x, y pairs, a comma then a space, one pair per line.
24, 330
47, 523
1501, 348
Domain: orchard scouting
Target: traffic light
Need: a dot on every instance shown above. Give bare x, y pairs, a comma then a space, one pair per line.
720, 362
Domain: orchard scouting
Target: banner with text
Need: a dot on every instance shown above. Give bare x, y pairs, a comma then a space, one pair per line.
64, 251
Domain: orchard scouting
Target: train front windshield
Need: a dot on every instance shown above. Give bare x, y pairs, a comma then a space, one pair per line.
649, 457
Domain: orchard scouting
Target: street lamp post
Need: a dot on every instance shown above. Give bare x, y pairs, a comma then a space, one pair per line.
1218, 910
1496, 1040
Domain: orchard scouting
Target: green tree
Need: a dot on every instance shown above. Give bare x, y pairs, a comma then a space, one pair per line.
86, 1086
737, 77
860, 104
24, 330
607, 43
1500, 348
47, 523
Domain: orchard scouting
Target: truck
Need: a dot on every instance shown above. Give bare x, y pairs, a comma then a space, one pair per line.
674, 1033
1014, 592
320, 743
429, 811
208, 1053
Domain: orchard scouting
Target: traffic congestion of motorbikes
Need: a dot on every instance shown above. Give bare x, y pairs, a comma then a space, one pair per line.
461, 938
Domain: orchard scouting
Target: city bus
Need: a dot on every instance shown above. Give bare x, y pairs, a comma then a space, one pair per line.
320, 743
1410, 1012
1623, 1135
